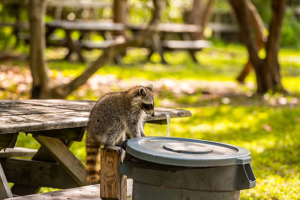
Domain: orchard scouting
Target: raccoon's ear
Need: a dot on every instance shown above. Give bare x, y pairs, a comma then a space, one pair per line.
142, 91
150, 87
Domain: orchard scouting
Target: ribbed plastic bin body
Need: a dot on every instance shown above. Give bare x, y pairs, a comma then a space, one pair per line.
159, 173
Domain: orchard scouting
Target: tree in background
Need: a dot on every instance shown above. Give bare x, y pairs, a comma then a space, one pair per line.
267, 70
41, 88
120, 14
199, 14
260, 38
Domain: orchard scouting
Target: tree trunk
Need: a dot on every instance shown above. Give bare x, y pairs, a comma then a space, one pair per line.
120, 14
37, 60
267, 70
206, 16
258, 26
194, 16
200, 14
120, 44
243, 18
273, 43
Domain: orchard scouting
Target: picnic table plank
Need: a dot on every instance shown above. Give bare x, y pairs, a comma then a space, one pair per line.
35, 115
84, 25
168, 28
185, 45
17, 152
90, 192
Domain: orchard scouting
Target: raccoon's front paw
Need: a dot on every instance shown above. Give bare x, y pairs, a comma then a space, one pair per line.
124, 145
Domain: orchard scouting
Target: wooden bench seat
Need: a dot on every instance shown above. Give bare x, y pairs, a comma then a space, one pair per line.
185, 45
17, 152
90, 45
192, 46
91, 192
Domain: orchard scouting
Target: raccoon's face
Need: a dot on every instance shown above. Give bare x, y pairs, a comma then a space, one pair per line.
147, 99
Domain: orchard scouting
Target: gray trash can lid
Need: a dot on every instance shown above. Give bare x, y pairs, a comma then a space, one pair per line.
186, 152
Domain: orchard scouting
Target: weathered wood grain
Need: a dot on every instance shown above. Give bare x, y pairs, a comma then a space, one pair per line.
64, 157
90, 192
123, 187
112, 183
37, 174
109, 174
41, 115
73, 134
4, 187
17, 152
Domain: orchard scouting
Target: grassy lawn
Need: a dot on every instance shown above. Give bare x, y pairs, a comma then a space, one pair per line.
223, 111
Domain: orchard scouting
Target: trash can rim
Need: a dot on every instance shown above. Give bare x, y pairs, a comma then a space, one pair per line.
135, 148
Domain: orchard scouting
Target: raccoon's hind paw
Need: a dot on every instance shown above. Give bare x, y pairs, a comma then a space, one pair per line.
115, 148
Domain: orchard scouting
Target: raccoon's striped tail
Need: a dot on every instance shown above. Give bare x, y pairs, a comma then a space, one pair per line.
92, 162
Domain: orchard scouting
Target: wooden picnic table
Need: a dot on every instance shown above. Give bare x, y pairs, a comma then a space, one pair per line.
161, 42
83, 26
55, 124
157, 44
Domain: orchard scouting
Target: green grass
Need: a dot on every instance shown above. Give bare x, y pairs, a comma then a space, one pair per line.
271, 133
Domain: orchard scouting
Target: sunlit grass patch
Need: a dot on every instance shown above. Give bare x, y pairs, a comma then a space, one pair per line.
275, 151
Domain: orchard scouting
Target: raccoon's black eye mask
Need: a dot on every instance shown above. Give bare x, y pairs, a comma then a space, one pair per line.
148, 106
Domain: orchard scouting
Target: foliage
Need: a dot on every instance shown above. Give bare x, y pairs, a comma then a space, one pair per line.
290, 30
291, 25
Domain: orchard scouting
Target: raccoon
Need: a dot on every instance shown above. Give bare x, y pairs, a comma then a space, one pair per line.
115, 117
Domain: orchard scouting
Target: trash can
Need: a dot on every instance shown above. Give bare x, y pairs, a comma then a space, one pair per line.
164, 168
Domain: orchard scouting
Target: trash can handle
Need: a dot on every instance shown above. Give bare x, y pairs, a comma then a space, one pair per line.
243, 160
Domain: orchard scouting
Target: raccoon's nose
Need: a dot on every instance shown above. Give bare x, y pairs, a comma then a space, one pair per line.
152, 115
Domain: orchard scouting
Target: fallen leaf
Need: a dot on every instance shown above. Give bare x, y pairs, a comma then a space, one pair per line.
267, 127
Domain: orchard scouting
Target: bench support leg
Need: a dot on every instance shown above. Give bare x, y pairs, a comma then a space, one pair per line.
193, 55
42, 155
113, 185
61, 153
158, 47
73, 47
21, 190
5, 191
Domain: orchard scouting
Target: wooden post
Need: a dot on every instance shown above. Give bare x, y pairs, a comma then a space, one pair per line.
113, 185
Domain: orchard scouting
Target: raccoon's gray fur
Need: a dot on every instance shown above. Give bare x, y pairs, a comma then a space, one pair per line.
115, 117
